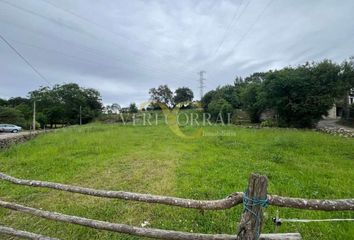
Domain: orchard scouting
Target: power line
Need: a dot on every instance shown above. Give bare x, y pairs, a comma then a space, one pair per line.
185, 64
96, 24
42, 16
90, 51
74, 57
110, 31
182, 76
230, 25
88, 61
252, 26
236, 17
67, 26
102, 27
24, 59
202, 26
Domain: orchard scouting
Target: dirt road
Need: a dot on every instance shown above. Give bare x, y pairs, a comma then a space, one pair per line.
332, 124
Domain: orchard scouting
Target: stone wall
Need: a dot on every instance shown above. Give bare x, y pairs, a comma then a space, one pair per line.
336, 131
9, 140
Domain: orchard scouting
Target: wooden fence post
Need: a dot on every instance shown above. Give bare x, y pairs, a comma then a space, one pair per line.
255, 199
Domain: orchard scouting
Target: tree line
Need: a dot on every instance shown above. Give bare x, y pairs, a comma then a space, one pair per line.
164, 95
295, 96
61, 104
290, 97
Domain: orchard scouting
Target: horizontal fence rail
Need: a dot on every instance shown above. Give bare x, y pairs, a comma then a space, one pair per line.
126, 229
23, 234
221, 204
312, 204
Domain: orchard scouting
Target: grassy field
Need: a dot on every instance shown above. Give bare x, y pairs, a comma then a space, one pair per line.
151, 159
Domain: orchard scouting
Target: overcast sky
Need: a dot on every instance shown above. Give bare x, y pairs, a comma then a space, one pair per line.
124, 48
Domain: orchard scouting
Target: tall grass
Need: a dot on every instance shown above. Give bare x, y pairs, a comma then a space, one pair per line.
151, 159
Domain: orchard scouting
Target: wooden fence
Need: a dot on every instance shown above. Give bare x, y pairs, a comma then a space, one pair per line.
254, 200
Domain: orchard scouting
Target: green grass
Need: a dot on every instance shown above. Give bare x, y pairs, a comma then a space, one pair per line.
151, 159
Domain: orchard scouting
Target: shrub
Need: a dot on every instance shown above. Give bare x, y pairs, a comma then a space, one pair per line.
302, 95
253, 101
220, 107
207, 98
12, 115
269, 123
133, 108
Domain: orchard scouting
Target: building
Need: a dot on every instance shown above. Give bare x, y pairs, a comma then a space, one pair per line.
337, 110
351, 96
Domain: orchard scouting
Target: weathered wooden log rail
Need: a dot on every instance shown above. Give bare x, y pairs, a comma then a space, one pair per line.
221, 204
123, 228
249, 227
24, 234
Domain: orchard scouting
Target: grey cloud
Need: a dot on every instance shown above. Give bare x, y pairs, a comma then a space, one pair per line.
123, 48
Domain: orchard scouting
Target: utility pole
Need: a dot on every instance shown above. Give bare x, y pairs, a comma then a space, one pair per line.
80, 116
34, 116
201, 83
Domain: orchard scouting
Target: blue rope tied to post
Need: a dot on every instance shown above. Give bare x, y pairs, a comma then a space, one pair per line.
250, 202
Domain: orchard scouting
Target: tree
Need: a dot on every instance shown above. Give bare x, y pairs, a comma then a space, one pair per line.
48, 104
3, 102
92, 103
115, 108
26, 110
183, 94
230, 94
207, 98
108, 109
161, 95
12, 115
239, 81
220, 108
299, 96
256, 77
133, 108
253, 101
347, 78
61, 103
24, 105
15, 101
302, 95
41, 119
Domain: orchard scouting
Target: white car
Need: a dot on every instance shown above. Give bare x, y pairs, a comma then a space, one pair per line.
10, 128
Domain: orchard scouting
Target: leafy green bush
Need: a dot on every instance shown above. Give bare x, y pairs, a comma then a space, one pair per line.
220, 108
12, 116
269, 123
253, 101
207, 98
29, 125
133, 108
